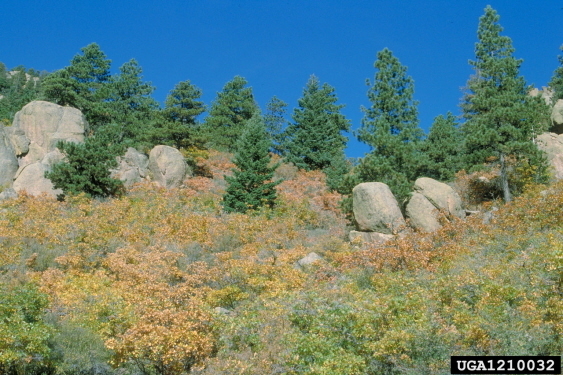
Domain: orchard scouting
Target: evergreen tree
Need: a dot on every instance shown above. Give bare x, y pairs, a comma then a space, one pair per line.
275, 121
442, 149
87, 165
556, 82
390, 128
179, 126
228, 115
502, 120
251, 186
314, 140
83, 85
130, 103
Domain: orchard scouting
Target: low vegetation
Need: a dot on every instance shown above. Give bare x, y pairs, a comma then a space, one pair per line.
206, 279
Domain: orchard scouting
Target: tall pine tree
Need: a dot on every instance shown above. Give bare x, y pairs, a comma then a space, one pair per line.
314, 141
502, 120
83, 84
228, 115
390, 128
251, 186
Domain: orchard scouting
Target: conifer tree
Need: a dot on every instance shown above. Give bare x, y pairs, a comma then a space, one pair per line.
556, 82
314, 140
502, 120
442, 149
251, 186
87, 165
178, 125
228, 115
390, 127
83, 84
130, 104
275, 121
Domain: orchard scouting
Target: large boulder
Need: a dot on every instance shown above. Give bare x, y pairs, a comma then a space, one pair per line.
441, 195
557, 117
31, 179
429, 199
45, 124
376, 209
422, 214
132, 167
167, 166
8, 161
552, 145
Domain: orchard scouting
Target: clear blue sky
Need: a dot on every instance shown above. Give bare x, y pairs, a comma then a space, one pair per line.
277, 45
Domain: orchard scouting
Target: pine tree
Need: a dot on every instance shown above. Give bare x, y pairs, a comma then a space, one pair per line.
390, 127
83, 85
441, 151
179, 126
228, 115
314, 140
275, 121
502, 120
86, 166
130, 104
251, 186
556, 82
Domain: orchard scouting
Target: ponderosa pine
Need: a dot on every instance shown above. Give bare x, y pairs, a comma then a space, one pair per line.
502, 120
390, 127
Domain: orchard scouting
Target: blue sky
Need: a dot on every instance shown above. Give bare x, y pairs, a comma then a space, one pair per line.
277, 45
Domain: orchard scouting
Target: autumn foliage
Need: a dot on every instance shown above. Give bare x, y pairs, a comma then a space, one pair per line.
165, 282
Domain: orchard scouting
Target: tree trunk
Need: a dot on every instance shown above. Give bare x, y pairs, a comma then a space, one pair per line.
504, 179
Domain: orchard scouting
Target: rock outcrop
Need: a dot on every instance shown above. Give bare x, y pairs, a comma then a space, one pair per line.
132, 167
552, 145
167, 166
20, 143
45, 124
376, 209
33, 137
8, 161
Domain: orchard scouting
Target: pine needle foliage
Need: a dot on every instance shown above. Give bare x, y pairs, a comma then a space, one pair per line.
390, 127
502, 120
251, 186
314, 140
442, 149
228, 115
